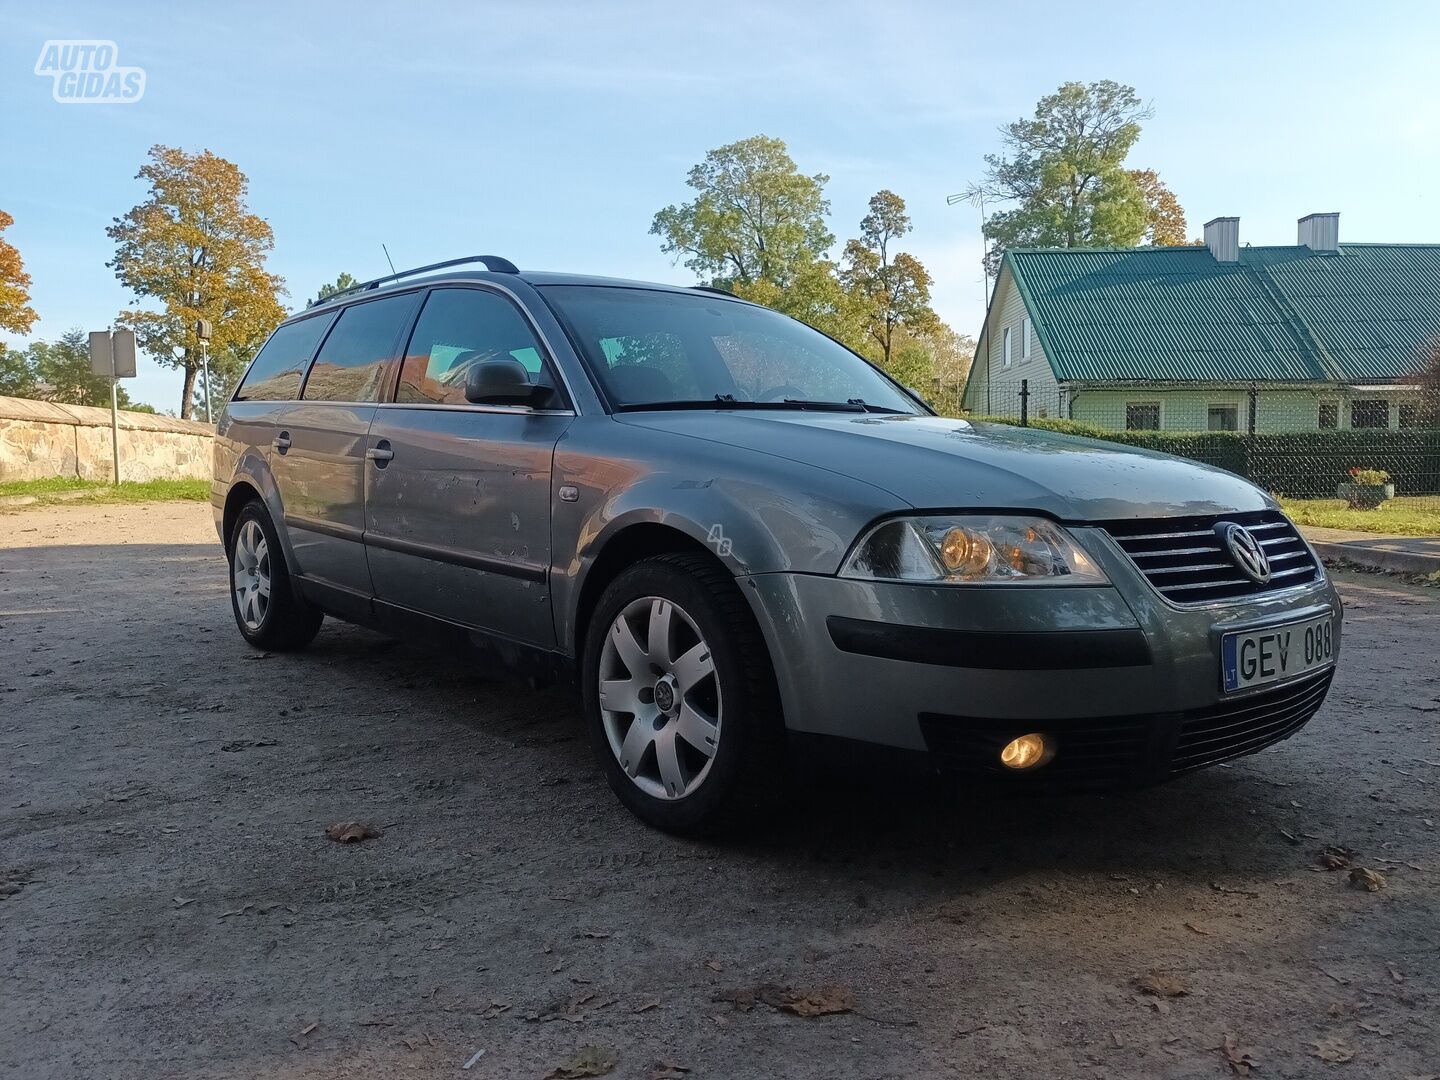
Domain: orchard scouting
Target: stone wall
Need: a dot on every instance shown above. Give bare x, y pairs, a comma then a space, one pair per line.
39, 439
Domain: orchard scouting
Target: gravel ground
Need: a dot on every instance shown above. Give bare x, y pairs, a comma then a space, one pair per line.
170, 906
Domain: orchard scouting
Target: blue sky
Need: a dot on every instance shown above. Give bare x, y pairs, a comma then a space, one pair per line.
552, 132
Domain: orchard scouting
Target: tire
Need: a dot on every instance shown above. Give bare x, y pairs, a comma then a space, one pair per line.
710, 676
270, 613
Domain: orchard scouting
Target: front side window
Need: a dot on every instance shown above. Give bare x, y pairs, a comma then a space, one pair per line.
1224, 418
355, 358
1024, 339
1005, 347
1327, 416
1142, 416
1371, 413
276, 372
457, 329
650, 347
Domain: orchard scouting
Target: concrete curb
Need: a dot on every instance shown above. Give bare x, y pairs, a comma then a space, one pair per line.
1375, 556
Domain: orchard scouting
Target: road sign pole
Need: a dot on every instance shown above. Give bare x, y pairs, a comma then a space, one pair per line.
115, 422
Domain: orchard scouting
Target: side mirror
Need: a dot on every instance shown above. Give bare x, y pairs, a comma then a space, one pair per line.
504, 382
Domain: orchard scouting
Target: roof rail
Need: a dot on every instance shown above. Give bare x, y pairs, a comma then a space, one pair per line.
492, 262
715, 290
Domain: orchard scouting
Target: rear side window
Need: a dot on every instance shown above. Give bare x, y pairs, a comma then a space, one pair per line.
458, 329
275, 374
355, 358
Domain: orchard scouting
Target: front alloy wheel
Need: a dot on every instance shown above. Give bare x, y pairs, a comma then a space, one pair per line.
659, 698
680, 696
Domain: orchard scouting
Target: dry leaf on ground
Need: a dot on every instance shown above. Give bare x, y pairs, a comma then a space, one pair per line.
589, 1060
1240, 1059
817, 1001
1335, 857
1334, 1049
1160, 984
1362, 877
351, 832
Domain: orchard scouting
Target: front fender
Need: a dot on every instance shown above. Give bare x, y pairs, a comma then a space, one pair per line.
756, 512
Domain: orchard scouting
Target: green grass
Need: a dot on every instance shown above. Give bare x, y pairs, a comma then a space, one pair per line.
67, 489
1401, 516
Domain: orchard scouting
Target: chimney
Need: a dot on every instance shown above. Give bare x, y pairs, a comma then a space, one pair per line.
1319, 232
1222, 237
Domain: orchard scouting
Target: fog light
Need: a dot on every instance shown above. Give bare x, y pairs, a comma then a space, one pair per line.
1026, 752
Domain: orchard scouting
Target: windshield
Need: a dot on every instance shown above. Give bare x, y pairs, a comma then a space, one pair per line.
659, 349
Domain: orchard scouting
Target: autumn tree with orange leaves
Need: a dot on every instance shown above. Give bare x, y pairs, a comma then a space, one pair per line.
195, 250
16, 314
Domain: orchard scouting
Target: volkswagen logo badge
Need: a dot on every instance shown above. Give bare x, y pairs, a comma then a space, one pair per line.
1249, 556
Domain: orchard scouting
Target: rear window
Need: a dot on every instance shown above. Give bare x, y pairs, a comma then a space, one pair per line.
356, 358
275, 374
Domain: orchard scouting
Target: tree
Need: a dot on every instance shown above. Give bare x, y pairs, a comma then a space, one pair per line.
1164, 217
343, 282
16, 314
891, 290
1428, 380
17, 374
1063, 169
194, 248
755, 221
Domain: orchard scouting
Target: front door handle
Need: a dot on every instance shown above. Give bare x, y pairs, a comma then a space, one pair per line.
380, 453
282, 441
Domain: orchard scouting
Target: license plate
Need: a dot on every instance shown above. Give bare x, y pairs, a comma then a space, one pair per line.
1256, 657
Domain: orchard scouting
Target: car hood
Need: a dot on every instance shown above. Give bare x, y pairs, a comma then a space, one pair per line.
936, 463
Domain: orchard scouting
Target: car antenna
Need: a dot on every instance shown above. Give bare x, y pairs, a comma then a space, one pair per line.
387, 256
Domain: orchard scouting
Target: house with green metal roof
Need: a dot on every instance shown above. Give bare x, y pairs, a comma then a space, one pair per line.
1215, 337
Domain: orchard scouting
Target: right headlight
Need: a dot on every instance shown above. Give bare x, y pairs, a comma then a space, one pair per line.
972, 550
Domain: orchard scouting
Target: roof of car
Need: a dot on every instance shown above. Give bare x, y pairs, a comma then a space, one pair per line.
539, 278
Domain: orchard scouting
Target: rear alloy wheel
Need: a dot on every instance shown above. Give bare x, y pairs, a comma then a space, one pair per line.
681, 698
268, 610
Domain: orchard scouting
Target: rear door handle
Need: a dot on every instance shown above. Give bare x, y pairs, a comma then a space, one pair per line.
282, 441
381, 454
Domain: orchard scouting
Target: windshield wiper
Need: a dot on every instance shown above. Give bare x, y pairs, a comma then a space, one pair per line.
853, 404
730, 401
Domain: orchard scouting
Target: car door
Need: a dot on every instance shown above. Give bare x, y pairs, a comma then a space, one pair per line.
319, 446
457, 519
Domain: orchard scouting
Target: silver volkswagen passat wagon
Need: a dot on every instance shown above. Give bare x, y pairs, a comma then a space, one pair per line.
753, 546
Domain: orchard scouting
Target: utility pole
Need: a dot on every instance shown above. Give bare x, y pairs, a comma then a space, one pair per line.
202, 331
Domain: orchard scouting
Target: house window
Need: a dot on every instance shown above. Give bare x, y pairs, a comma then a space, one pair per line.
1142, 416
1327, 415
1024, 339
1370, 413
1409, 415
1224, 418
1005, 347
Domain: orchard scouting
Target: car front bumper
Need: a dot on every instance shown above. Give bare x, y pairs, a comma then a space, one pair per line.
1126, 686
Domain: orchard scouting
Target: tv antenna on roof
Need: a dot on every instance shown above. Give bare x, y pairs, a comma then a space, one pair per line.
387, 257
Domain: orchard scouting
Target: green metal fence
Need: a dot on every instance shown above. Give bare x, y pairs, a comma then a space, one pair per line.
1352, 456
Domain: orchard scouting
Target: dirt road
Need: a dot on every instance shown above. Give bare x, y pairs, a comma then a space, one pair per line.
169, 905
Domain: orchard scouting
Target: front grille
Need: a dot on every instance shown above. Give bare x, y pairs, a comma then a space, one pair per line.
1235, 728
1187, 562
